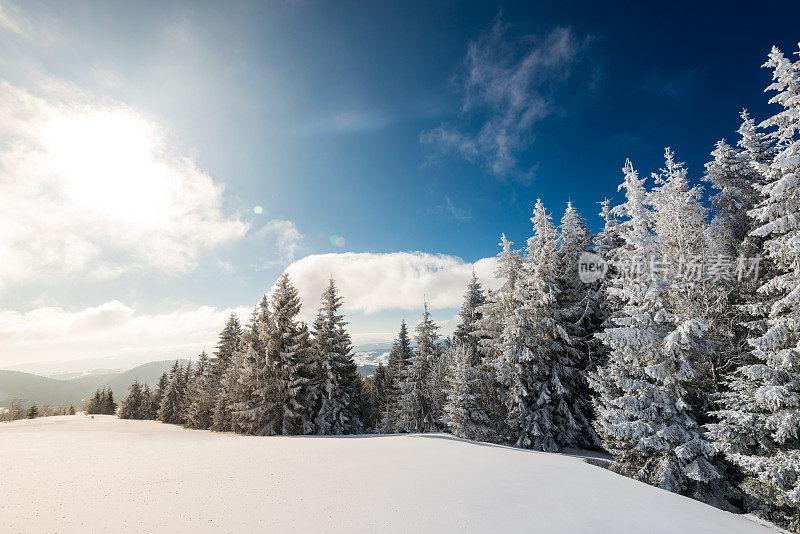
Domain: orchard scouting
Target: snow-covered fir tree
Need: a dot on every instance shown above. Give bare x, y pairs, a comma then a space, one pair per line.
760, 420
647, 389
469, 315
400, 358
416, 411
230, 342
494, 341
172, 407
465, 411
600, 303
338, 382
252, 383
289, 353
133, 406
537, 362
200, 409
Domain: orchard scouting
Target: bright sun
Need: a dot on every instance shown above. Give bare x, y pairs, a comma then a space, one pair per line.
107, 162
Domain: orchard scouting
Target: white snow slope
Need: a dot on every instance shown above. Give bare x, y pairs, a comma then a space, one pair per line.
77, 474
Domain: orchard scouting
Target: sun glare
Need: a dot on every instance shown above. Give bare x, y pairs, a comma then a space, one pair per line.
108, 164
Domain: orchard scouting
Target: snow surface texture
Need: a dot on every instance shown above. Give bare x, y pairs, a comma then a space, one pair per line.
77, 474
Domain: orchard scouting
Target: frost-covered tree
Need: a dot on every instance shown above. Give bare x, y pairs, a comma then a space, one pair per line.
134, 405
537, 362
760, 420
400, 358
416, 411
230, 342
494, 341
465, 410
200, 395
648, 389
601, 304
158, 394
289, 354
252, 385
470, 314
172, 403
338, 383
573, 240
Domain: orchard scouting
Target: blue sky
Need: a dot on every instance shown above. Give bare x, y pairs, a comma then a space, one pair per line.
426, 127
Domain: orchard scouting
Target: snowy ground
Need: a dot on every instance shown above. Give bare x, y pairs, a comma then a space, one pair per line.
76, 474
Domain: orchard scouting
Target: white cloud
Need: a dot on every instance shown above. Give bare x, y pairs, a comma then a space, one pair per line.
43, 31
96, 188
9, 19
109, 330
391, 281
286, 235
509, 85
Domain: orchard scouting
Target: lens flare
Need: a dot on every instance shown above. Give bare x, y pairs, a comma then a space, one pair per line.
336, 240
258, 210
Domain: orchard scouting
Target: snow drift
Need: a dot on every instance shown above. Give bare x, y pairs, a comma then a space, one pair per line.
77, 474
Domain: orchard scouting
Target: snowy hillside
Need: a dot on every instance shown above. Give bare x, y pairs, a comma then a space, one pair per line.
76, 474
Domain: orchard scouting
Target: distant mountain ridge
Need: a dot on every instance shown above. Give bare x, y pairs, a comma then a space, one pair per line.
75, 388
39, 389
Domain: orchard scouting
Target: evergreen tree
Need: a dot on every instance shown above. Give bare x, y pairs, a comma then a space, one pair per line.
148, 410
289, 354
536, 362
338, 412
495, 341
133, 405
470, 314
33, 412
416, 406
230, 342
760, 420
109, 406
251, 385
400, 358
158, 394
171, 409
200, 395
648, 389
466, 415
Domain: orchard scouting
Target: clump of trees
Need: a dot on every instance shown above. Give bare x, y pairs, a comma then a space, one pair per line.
101, 403
683, 362
15, 411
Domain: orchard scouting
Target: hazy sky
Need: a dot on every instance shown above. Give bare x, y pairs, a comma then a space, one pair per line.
161, 164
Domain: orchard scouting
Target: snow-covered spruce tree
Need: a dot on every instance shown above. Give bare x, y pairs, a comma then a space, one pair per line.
647, 390
416, 405
200, 396
691, 300
289, 353
230, 342
494, 341
536, 359
338, 388
372, 397
158, 394
400, 358
254, 390
760, 420
601, 304
148, 410
470, 314
465, 411
171, 409
133, 404
580, 314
